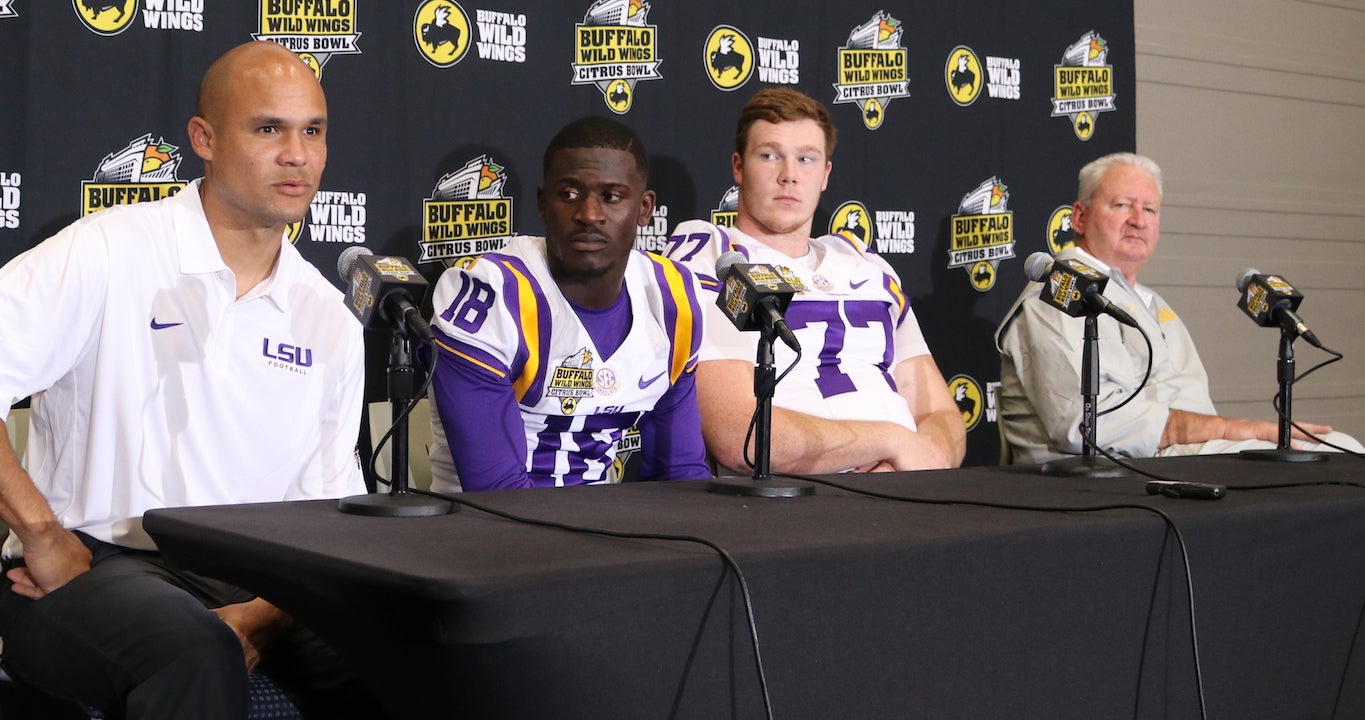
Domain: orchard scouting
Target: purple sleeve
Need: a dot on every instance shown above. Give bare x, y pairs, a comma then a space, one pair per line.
483, 425
671, 446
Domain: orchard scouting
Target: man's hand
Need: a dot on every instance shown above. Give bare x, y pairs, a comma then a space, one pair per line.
50, 561
919, 452
1270, 432
1297, 434
256, 623
910, 451
1187, 427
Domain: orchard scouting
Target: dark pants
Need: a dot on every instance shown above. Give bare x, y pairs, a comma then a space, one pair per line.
135, 638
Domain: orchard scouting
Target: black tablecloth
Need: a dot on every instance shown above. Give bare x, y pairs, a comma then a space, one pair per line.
866, 608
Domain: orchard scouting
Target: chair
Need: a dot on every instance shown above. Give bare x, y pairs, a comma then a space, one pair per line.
419, 442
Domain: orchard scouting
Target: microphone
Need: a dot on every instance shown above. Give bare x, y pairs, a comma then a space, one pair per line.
754, 296
1073, 287
383, 291
1271, 300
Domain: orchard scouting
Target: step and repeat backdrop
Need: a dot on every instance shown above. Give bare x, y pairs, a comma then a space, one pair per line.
961, 125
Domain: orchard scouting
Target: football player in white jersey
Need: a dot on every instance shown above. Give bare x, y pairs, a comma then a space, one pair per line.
549, 350
867, 395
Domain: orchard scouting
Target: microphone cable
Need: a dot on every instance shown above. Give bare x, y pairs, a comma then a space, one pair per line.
1166, 518
460, 499
731, 564
753, 419
1145, 375
428, 368
1277, 402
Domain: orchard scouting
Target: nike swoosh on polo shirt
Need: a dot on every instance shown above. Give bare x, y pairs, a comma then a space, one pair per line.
162, 326
856, 285
646, 383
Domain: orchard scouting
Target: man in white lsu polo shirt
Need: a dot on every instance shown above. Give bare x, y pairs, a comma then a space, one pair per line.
177, 353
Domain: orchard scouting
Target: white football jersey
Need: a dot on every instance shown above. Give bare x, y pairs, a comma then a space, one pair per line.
850, 315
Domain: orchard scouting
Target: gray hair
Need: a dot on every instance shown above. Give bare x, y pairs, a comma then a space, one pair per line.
1091, 174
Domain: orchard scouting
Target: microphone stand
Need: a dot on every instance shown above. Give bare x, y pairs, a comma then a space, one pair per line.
1284, 372
1088, 465
399, 501
765, 382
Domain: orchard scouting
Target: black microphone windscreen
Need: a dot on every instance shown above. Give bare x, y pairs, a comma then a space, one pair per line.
348, 258
727, 261
1244, 277
1037, 266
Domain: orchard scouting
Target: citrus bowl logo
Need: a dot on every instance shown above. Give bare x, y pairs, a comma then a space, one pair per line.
852, 220
963, 75
729, 58
441, 31
982, 233
1060, 234
467, 214
106, 17
1083, 84
871, 68
312, 29
142, 171
615, 48
967, 394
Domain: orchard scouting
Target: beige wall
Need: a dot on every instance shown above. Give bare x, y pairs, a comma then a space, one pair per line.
1256, 111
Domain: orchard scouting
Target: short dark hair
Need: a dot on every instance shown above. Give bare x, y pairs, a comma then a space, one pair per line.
599, 132
777, 105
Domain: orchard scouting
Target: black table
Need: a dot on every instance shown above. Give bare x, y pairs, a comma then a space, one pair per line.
866, 608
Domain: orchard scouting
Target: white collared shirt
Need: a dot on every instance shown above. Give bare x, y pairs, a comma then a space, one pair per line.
154, 386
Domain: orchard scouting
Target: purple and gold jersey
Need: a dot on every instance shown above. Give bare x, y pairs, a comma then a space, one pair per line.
505, 315
850, 315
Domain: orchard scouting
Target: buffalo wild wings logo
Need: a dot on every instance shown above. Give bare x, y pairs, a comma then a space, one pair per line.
1060, 234
468, 213
106, 17
872, 68
963, 75
615, 48
1083, 84
729, 57
879, 231
982, 233
111, 17
441, 32
966, 76
502, 36
314, 29
1003, 77
968, 396
895, 232
572, 380
336, 217
852, 220
143, 171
